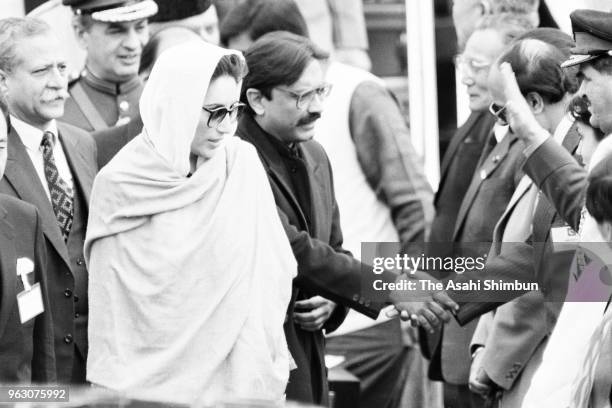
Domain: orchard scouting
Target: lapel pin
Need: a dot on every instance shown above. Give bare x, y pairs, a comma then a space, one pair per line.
496, 159
483, 174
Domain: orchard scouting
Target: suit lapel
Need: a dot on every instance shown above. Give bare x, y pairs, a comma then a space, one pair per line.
7, 271
456, 141
492, 162
315, 178
22, 176
250, 131
81, 172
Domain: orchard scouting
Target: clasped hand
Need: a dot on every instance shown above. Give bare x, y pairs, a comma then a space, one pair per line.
426, 308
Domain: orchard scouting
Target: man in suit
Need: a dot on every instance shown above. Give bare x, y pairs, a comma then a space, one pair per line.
380, 188
550, 167
284, 91
52, 166
507, 345
27, 344
482, 200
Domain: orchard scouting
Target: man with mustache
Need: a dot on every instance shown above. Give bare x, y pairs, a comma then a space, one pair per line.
284, 91
113, 32
50, 165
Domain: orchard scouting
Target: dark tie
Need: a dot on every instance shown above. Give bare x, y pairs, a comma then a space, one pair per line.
61, 193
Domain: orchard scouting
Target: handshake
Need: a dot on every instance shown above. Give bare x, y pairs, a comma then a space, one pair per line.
426, 308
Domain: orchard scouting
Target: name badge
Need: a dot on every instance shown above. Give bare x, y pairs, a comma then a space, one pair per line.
30, 300
30, 303
563, 235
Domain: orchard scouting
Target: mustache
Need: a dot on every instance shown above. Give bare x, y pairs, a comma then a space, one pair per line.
309, 119
63, 94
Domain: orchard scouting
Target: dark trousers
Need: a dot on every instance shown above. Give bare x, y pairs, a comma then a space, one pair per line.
460, 396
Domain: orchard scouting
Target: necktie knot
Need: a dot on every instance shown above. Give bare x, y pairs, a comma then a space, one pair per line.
47, 140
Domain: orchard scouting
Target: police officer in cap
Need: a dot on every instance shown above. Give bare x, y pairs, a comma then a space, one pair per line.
113, 33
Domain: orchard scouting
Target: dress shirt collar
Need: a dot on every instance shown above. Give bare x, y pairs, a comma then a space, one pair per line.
563, 127
500, 132
31, 136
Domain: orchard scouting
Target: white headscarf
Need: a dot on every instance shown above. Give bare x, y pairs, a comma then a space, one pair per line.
189, 277
171, 102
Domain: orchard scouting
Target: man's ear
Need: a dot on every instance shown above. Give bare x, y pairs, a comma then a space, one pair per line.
535, 102
3, 80
80, 32
606, 230
255, 100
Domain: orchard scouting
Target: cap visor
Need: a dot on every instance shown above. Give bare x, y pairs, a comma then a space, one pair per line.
132, 12
577, 59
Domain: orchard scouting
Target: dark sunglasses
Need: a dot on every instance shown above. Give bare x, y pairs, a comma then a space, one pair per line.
218, 113
499, 112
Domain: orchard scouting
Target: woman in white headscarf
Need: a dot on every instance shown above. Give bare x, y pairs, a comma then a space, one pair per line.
189, 267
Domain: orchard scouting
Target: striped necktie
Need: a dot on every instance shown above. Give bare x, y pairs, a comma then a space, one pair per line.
61, 194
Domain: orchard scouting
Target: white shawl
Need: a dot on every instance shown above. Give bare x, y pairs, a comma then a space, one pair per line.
189, 278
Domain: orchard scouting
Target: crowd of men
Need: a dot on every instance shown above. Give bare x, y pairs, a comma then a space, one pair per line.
338, 155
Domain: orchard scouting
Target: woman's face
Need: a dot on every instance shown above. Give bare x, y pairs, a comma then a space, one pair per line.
224, 91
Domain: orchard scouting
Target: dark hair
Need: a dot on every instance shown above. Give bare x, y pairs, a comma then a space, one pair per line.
278, 58
232, 65
259, 17
603, 65
149, 54
552, 36
174, 10
599, 192
14, 29
5, 112
537, 66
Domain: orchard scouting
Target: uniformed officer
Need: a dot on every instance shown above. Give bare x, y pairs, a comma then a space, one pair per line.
113, 33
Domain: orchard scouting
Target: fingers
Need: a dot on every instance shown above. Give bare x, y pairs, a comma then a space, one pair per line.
445, 301
311, 303
310, 316
438, 311
391, 312
510, 86
479, 388
313, 320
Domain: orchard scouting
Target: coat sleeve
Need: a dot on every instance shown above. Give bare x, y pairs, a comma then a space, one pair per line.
560, 178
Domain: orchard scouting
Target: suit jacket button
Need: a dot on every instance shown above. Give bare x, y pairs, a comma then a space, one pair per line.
367, 303
355, 298
68, 339
76, 298
76, 315
67, 293
80, 262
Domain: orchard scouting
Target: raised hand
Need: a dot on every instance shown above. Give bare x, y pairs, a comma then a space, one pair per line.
520, 118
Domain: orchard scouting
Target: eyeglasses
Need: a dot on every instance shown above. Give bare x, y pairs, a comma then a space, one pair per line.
499, 112
461, 62
304, 99
218, 113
